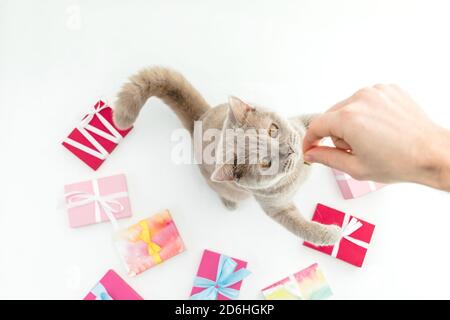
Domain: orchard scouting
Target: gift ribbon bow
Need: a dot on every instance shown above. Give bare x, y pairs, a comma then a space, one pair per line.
100, 292
108, 203
85, 128
349, 226
152, 248
226, 277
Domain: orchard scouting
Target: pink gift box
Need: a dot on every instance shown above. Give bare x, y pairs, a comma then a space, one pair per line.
148, 243
352, 188
112, 287
95, 137
355, 238
91, 201
210, 270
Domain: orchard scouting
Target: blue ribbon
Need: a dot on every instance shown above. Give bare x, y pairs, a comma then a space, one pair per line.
100, 293
226, 277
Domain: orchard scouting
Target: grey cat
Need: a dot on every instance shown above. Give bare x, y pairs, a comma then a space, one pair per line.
234, 181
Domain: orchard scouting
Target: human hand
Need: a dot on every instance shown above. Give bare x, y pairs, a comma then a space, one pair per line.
381, 134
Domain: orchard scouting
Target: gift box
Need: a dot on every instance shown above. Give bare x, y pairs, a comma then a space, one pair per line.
355, 235
148, 243
97, 200
95, 137
352, 188
307, 284
219, 277
112, 287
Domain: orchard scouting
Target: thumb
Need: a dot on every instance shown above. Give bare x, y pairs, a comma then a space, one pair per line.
332, 157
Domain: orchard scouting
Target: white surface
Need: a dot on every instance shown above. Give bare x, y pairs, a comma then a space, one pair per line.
292, 56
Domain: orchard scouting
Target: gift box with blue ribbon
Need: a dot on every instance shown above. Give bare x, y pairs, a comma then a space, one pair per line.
219, 277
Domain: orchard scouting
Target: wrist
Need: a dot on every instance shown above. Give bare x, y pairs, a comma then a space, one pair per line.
435, 164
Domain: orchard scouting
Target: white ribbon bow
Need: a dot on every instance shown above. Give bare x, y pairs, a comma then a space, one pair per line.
107, 203
349, 226
84, 127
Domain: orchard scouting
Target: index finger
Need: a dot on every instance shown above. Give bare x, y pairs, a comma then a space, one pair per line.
325, 125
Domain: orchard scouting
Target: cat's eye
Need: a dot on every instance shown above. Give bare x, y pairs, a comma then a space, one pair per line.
273, 130
266, 163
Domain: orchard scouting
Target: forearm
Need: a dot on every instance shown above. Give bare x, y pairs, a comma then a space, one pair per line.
445, 176
444, 167
435, 168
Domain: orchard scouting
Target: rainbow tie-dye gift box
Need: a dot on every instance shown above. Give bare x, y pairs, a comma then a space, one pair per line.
307, 284
149, 242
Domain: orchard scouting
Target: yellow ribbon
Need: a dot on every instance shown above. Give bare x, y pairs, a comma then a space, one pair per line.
152, 248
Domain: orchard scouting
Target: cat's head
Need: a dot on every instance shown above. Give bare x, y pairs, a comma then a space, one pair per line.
257, 148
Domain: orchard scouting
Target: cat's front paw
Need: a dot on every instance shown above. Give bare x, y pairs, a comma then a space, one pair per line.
329, 236
122, 117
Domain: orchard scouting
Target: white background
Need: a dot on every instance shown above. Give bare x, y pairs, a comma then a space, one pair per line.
58, 57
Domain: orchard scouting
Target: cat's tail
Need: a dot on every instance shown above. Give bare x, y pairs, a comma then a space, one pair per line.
166, 84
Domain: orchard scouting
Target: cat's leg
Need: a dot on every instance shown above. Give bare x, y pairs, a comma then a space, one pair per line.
230, 205
316, 233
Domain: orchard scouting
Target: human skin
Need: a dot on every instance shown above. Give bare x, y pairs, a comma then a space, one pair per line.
381, 134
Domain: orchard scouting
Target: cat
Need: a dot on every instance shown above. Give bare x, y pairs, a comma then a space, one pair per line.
234, 181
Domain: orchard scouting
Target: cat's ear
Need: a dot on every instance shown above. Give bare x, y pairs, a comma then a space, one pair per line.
238, 109
223, 172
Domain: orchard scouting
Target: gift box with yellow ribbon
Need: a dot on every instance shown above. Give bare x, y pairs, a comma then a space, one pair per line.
149, 242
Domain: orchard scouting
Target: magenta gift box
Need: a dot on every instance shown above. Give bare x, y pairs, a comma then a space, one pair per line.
112, 287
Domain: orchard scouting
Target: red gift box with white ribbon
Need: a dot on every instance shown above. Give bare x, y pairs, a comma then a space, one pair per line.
355, 236
93, 140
